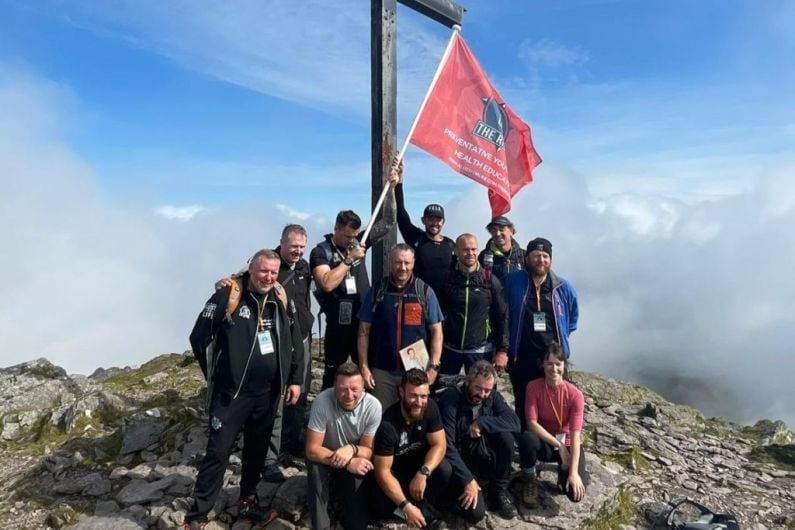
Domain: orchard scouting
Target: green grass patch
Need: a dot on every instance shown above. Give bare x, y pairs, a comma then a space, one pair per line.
610, 519
781, 456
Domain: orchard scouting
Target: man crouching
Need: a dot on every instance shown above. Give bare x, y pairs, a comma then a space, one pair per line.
409, 455
481, 429
339, 445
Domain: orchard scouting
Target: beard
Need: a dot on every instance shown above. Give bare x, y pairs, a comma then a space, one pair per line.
413, 413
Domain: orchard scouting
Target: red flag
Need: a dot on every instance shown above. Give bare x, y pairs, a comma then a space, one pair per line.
468, 126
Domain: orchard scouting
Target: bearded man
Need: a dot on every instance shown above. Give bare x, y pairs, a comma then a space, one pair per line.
542, 309
409, 464
481, 429
339, 446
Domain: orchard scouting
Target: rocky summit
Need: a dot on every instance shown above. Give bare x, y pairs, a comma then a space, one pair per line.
119, 449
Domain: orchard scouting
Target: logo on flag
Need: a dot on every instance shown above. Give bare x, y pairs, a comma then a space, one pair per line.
494, 125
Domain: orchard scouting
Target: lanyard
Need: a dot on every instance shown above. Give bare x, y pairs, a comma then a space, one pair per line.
558, 415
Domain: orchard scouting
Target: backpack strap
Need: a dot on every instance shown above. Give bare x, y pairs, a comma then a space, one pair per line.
233, 301
281, 296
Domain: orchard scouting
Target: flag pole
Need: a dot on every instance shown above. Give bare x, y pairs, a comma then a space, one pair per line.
380, 203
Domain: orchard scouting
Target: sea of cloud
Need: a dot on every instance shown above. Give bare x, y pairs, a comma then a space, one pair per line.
694, 300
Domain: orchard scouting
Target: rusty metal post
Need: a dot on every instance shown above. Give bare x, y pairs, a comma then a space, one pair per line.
383, 69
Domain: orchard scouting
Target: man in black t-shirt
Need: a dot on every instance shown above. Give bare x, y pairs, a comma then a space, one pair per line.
409, 450
340, 274
433, 252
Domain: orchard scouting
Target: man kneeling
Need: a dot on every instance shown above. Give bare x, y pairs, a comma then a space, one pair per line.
409, 455
339, 445
481, 429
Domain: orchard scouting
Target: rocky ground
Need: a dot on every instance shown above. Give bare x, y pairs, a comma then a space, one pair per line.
118, 450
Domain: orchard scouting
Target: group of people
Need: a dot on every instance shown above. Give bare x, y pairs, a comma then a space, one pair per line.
428, 440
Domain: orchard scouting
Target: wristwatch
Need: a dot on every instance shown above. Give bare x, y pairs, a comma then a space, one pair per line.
348, 261
424, 470
434, 366
403, 504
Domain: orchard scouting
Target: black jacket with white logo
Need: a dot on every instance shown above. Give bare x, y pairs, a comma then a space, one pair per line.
225, 365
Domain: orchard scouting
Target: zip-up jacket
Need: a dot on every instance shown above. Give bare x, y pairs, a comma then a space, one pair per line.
518, 287
296, 282
495, 416
475, 312
237, 342
504, 264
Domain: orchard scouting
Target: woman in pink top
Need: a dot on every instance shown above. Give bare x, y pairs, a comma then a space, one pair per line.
554, 411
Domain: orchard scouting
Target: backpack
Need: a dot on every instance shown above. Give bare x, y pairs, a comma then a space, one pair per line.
685, 514
420, 286
236, 291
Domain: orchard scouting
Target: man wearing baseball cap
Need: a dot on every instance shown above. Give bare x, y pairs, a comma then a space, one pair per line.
502, 253
542, 309
433, 252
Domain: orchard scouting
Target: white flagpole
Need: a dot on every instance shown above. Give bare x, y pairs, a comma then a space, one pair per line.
456, 31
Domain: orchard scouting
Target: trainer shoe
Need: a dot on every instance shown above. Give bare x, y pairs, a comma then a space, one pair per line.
530, 490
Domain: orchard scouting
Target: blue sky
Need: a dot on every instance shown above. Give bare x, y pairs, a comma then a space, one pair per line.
148, 147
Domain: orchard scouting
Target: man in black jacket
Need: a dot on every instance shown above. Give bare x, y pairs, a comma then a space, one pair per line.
249, 352
480, 429
296, 278
475, 323
502, 253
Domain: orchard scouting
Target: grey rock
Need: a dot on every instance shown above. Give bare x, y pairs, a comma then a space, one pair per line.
106, 508
139, 435
140, 491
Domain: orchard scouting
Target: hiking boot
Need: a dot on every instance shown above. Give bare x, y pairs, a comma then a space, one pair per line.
530, 490
249, 509
194, 525
503, 505
272, 473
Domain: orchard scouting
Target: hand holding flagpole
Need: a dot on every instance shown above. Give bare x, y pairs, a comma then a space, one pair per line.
397, 163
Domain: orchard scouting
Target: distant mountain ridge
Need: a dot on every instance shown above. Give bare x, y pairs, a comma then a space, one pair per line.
118, 449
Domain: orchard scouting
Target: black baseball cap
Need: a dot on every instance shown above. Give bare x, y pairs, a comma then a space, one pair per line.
433, 210
540, 244
500, 220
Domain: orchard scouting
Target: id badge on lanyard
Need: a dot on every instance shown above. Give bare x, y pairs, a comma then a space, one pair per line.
265, 342
350, 284
539, 322
561, 437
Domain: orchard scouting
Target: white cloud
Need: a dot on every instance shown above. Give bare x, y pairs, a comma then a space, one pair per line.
181, 214
550, 54
313, 52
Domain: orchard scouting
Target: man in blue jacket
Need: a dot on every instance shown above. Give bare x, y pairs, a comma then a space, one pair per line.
542, 309
480, 428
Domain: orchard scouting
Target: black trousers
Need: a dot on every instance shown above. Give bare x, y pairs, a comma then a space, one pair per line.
228, 417
522, 373
325, 482
540, 450
339, 343
496, 469
437, 492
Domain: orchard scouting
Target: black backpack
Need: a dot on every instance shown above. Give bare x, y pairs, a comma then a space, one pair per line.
690, 515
